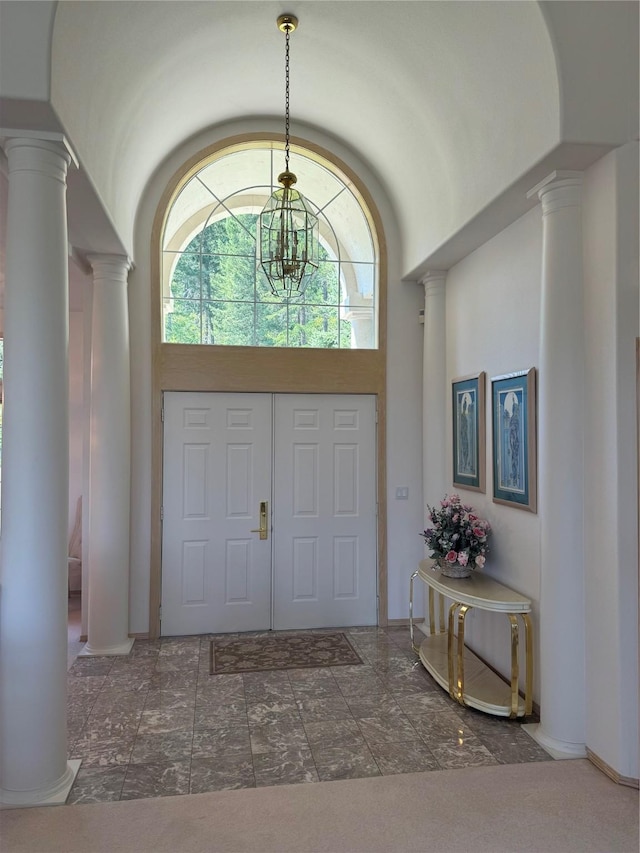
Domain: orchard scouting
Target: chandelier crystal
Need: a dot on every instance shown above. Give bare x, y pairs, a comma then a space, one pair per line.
287, 226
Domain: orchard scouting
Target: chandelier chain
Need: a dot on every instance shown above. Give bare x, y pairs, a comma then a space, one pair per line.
286, 101
288, 245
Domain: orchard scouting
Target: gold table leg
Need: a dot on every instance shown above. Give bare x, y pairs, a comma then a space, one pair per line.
462, 613
528, 644
415, 648
514, 665
432, 627
452, 612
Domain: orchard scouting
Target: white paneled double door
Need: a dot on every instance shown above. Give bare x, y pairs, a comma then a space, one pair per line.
269, 512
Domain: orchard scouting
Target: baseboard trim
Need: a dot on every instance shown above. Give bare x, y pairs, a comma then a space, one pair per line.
142, 636
618, 778
401, 622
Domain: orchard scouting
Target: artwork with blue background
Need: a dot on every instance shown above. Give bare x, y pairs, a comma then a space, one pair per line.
511, 451
467, 428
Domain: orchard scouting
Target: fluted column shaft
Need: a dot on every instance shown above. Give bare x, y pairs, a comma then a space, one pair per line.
109, 460
434, 373
35, 478
434, 393
560, 468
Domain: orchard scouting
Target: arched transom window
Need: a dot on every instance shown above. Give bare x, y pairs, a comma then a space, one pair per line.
212, 289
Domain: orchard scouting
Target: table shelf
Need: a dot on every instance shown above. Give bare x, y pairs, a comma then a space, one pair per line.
454, 665
483, 688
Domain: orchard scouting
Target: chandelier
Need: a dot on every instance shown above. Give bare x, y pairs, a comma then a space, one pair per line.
287, 226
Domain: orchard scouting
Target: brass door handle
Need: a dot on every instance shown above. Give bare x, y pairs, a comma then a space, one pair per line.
262, 530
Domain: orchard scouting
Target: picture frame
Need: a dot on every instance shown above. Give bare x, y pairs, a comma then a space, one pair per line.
469, 428
513, 397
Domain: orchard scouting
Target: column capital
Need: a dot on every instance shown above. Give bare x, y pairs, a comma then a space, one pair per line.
11, 138
107, 266
560, 188
33, 155
433, 281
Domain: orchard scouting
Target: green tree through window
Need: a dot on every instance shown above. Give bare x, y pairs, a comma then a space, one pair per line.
218, 296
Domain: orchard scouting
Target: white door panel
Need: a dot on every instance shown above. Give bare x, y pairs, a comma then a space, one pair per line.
325, 559
216, 573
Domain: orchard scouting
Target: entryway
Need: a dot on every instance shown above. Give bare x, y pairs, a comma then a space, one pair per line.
269, 512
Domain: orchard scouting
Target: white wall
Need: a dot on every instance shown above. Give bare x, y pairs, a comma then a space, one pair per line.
493, 309
405, 518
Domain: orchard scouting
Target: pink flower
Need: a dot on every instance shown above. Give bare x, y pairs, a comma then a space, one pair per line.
458, 534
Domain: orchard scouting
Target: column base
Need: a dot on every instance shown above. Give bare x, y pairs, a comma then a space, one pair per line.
54, 795
105, 651
558, 749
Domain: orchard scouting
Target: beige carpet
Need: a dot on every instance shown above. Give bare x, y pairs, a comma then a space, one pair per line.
548, 806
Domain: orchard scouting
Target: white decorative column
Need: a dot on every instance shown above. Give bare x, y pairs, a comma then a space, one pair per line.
434, 390
434, 394
560, 469
33, 601
109, 460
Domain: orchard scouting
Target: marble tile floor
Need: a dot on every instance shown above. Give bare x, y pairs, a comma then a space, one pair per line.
155, 723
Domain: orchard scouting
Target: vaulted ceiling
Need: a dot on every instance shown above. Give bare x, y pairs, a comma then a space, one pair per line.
456, 108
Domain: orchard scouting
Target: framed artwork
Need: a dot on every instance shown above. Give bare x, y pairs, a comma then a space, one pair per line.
514, 439
468, 407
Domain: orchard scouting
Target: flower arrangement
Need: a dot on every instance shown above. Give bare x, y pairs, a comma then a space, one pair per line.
458, 536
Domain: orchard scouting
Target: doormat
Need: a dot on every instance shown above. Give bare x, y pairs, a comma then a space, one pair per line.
291, 651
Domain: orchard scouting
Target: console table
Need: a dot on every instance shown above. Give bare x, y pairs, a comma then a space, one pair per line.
454, 666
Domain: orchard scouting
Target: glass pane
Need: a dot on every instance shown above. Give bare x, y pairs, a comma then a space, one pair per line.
238, 170
329, 242
315, 182
228, 323
231, 235
323, 288
352, 228
271, 325
263, 288
358, 286
357, 324
313, 326
193, 199
182, 273
232, 280
182, 321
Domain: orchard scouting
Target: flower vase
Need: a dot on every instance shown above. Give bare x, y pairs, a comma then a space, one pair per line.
453, 570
